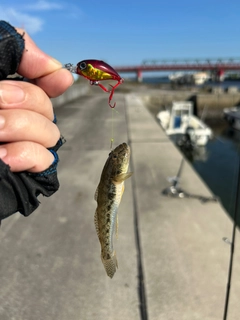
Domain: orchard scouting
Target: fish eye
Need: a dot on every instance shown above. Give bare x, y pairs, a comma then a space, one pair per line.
83, 65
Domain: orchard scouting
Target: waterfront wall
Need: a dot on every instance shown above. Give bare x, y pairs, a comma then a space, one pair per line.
75, 91
213, 102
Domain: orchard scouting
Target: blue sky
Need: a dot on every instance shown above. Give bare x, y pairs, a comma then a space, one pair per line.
127, 32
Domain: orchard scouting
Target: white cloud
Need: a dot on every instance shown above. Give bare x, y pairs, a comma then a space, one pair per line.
22, 20
43, 5
27, 16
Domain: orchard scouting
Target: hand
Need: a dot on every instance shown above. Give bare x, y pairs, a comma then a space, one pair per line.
26, 113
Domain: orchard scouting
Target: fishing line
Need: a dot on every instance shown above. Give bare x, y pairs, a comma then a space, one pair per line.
231, 204
112, 138
112, 128
233, 242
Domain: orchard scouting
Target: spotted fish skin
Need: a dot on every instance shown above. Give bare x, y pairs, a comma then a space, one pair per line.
108, 196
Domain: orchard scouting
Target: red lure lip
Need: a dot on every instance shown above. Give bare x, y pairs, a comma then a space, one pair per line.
96, 71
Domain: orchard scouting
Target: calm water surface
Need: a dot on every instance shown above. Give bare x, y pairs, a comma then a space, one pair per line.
218, 163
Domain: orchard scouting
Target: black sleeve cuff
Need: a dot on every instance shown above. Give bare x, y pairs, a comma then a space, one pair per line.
19, 191
11, 49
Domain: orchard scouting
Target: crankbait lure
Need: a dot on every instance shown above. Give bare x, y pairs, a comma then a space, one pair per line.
96, 71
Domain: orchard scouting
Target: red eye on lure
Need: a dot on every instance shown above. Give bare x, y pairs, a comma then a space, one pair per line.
96, 71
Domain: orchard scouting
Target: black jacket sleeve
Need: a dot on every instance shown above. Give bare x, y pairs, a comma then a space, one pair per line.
11, 49
19, 191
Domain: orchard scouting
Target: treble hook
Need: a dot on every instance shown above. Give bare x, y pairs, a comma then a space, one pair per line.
110, 98
112, 91
106, 90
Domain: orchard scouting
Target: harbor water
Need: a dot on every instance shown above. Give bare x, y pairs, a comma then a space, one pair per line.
219, 161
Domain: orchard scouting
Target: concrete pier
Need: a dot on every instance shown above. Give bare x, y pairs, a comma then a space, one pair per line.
173, 263
213, 102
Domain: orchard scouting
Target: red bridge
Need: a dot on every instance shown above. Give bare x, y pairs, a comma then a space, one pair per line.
216, 66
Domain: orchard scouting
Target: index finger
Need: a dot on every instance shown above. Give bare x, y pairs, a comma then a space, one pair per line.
35, 63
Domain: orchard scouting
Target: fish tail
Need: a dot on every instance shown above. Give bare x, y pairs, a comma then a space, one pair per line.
110, 265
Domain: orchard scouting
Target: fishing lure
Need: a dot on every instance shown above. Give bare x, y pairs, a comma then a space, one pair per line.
96, 71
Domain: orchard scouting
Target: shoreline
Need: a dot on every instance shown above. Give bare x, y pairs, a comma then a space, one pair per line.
160, 96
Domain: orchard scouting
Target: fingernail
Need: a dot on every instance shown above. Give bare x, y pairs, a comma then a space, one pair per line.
10, 94
3, 152
56, 62
2, 122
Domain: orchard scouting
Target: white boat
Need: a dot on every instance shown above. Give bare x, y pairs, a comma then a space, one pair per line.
232, 116
174, 77
179, 120
200, 77
196, 78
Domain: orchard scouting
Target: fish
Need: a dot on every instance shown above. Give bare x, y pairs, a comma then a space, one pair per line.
108, 196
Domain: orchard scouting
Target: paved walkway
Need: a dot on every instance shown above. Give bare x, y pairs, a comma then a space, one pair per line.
173, 263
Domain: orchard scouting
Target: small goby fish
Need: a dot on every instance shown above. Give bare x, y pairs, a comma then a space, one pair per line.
108, 196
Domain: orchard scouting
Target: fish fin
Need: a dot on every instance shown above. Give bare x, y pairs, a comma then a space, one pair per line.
96, 224
96, 194
110, 265
122, 177
116, 227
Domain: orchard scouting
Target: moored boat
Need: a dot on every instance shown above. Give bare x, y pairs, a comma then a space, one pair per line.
232, 116
180, 120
